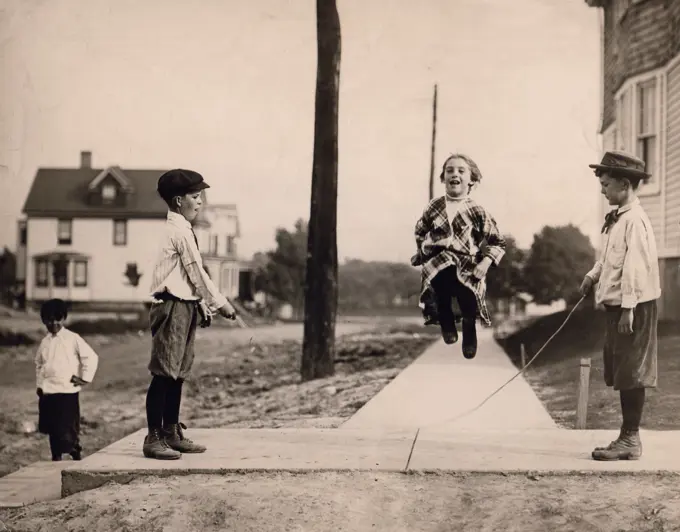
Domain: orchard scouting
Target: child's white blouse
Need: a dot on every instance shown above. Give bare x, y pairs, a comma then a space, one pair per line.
61, 356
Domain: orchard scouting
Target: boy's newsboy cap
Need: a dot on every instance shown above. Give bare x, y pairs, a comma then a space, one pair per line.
622, 163
178, 182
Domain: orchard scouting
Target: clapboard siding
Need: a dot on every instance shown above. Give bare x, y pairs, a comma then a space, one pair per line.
652, 207
673, 160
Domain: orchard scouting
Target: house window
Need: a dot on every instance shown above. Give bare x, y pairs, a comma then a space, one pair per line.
638, 127
60, 273
64, 232
230, 245
213, 244
23, 234
646, 125
108, 193
120, 232
623, 119
41, 273
80, 273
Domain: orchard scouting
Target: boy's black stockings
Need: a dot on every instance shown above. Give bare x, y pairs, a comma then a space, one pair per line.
163, 401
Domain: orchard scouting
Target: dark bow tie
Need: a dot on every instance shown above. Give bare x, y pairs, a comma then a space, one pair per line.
610, 219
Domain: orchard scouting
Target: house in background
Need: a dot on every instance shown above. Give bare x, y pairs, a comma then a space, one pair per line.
89, 236
641, 114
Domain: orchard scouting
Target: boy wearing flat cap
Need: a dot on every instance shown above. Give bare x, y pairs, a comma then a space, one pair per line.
627, 284
182, 295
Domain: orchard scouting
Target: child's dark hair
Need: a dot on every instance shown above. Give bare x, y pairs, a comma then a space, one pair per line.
56, 309
475, 173
633, 180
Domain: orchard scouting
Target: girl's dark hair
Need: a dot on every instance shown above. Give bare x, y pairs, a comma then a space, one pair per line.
55, 309
475, 173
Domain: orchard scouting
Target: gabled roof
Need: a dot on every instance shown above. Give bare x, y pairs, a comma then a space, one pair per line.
117, 174
64, 192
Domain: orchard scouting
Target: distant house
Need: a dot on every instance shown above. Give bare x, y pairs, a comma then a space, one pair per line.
89, 236
641, 114
509, 307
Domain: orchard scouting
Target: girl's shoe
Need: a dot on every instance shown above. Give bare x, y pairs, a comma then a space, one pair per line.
450, 337
469, 338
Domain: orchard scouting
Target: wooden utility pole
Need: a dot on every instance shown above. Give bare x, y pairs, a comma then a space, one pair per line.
434, 140
321, 283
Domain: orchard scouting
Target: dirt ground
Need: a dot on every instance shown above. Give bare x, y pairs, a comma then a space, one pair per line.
554, 376
243, 378
364, 501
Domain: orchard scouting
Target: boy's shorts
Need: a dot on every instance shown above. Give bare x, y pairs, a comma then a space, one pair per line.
630, 360
173, 330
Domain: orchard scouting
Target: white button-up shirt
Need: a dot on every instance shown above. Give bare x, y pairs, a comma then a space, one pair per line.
59, 358
179, 266
627, 272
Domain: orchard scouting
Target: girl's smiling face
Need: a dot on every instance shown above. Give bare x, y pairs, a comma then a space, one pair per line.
457, 177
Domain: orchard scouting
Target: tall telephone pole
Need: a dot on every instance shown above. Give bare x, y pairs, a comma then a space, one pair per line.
321, 283
434, 139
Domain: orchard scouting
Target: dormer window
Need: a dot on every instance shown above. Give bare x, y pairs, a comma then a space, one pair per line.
108, 193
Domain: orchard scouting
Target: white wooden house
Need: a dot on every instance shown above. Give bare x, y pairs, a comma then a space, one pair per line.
641, 114
89, 236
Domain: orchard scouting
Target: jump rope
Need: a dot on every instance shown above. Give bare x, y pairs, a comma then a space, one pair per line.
522, 370
243, 325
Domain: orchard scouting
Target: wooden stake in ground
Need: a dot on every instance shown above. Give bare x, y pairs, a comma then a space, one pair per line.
583, 385
321, 285
434, 140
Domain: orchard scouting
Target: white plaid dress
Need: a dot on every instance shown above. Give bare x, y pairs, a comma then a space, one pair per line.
461, 242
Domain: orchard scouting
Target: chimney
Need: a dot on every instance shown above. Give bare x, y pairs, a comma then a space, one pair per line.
86, 159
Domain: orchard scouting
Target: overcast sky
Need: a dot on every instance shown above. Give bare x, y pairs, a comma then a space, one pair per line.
226, 87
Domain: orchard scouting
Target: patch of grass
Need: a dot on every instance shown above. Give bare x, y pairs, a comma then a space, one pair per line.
234, 382
554, 375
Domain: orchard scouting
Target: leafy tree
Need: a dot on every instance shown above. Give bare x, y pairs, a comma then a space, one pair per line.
375, 285
507, 279
281, 272
558, 260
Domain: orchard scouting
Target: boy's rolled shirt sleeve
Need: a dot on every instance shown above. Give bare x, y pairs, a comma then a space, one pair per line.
636, 265
595, 272
89, 360
193, 264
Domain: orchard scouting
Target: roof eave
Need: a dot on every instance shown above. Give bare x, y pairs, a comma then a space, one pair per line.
105, 215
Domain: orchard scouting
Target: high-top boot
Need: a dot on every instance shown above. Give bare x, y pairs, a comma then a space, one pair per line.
469, 338
155, 447
627, 447
610, 443
174, 437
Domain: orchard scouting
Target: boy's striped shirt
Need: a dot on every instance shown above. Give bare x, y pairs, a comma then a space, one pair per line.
179, 266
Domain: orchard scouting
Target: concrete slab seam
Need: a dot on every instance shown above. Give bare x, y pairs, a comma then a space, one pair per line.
413, 446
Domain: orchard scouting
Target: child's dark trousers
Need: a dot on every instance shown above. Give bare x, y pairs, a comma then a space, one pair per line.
446, 286
59, 417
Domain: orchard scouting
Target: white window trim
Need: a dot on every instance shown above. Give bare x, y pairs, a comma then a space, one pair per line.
631, 86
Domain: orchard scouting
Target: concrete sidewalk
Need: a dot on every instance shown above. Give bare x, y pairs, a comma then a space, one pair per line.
442, 384
242, 451
40, 481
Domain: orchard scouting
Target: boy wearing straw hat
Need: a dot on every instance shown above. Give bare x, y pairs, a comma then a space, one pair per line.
627, 283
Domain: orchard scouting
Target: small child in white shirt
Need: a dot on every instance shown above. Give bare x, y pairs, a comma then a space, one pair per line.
64, 363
